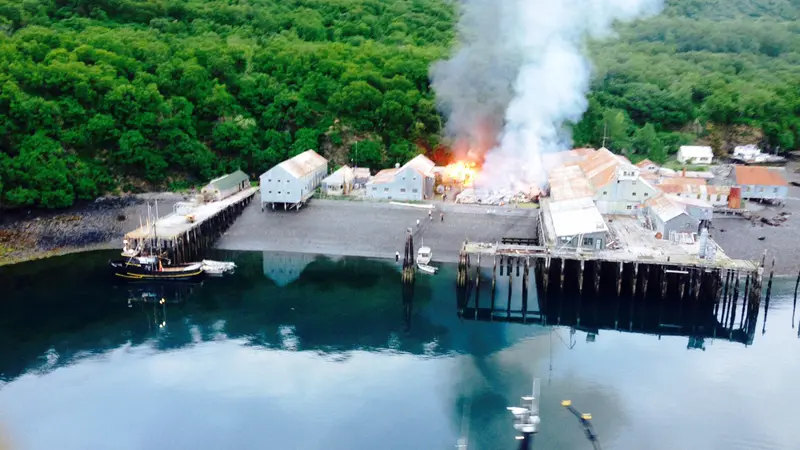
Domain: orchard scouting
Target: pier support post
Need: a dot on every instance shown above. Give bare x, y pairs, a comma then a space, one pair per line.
635, 279
619, 278
580, 279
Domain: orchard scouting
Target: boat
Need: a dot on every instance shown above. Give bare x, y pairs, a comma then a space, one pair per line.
217, 268
427, 269
153, 268
424, 256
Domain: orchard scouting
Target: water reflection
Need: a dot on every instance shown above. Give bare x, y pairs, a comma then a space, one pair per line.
222, 359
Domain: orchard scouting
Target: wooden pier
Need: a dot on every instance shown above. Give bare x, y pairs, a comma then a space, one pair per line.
612, 274
700, 299
186, 236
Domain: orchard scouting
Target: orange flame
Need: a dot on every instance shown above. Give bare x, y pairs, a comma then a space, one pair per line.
461, 172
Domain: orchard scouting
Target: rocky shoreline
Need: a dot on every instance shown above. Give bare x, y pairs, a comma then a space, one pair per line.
97, 225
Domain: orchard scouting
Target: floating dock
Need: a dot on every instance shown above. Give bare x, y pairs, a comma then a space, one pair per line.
186, 235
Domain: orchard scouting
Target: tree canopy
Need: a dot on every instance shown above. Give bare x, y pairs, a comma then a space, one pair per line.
102, 95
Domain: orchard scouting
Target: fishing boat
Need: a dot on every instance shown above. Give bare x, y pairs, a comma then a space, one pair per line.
424, 256
152, 268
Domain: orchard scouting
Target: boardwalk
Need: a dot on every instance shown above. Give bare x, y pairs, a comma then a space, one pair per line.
174, 225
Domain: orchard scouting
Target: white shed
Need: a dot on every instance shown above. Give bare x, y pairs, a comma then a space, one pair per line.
339, 182
293, 181
695, 154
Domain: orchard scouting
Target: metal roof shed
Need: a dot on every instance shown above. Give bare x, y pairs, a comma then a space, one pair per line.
225, 186
577, 223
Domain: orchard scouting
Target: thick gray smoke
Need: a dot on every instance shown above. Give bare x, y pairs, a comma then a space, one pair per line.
522, 73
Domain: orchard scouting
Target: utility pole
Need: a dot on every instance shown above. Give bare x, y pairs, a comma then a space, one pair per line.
605, 130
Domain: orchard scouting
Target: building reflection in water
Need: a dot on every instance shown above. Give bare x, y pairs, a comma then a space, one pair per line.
284, 268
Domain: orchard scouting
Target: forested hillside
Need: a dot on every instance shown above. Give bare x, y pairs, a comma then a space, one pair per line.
105, 95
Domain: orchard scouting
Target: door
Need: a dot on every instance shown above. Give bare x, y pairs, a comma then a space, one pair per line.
597, 243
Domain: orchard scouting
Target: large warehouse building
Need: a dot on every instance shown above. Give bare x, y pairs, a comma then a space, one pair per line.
292, 182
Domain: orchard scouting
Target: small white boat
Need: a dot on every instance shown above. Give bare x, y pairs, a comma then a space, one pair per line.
217, 268
424, 255
424, 268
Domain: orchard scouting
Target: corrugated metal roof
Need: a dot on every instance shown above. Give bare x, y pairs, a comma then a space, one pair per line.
693, 189
229, 181
645, 163
421, 164
577, 216
341, 175
601, 167
384, 176
303, 164
759, 176
568, 182
690, 201
361, 172
682, 180
664, 208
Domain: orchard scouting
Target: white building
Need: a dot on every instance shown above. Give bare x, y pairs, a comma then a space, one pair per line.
339, 182
574, 223
749, 153
413, 181
695, 154
292, 182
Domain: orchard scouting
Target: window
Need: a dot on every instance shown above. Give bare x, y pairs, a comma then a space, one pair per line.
270, 192
698, 196
708, 197
605, 192
646, 194
634, 194
269, 181
415, 178
775, 190
402, 189
761, 189
747, 188
279, 192
719, 197
385, 189
374, 189
414, 191
629, 207
588, 241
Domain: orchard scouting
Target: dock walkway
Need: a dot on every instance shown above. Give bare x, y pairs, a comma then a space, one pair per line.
186, 239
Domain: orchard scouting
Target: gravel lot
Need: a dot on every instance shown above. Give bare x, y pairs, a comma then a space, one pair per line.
350, 228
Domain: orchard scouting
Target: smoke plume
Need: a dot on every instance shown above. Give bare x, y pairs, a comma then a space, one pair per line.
520, 77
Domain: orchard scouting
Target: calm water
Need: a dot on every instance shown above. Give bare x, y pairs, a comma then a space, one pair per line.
303, 352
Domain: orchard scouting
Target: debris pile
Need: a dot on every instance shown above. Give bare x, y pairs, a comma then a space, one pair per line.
777, 220
497, 197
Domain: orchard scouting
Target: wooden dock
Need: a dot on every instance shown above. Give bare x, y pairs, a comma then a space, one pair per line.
187, 235
608, 272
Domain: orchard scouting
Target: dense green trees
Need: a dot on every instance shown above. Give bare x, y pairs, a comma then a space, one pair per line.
107, 94
734, 64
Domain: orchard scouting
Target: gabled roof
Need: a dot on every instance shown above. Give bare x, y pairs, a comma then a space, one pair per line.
761, 176
384, 176
230, 180
682, 180
601, 166
421, 164
689, 201
568, 182
645, 163
665, 208
343, 174
703, 190
303, 164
